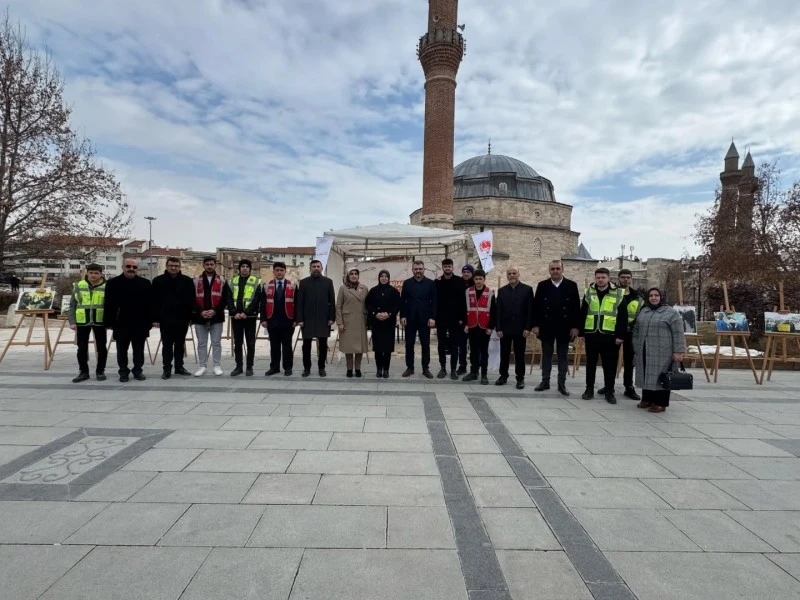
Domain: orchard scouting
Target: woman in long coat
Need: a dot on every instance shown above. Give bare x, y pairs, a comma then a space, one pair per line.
383, 304
658, 340
351, 318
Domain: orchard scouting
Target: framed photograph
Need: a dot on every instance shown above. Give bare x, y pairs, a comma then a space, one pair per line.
35, 300
689, 316
782, 323
731, 322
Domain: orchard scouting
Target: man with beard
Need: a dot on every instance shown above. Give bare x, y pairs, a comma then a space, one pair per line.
418, 315
211, 293
86, 308
129, 313
466, 278
316, 312
514, 322
633, 302
450, 317
173, 300
277, 317
243, 310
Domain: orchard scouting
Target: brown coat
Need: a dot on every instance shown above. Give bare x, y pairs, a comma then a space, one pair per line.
351, 312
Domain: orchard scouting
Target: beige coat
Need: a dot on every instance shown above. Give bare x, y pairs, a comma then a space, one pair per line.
351, 312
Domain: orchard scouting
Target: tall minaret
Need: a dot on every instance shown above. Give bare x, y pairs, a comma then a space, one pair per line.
440, 51
729, 199
747, 189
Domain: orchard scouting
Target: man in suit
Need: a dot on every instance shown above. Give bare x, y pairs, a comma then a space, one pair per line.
514, 321
418, 315
277, 317
173, 303
556, 320
316, 312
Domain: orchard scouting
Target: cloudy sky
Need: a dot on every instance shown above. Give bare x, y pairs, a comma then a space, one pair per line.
265, 122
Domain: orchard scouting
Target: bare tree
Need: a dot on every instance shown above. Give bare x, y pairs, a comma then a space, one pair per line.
53, 190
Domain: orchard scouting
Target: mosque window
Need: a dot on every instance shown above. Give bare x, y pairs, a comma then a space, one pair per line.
503, 188
470, 211
537, 247
537, 214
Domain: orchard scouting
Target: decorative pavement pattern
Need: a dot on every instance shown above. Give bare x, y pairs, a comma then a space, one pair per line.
392, 489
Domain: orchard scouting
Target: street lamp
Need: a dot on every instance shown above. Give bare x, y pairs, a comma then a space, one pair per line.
150, 246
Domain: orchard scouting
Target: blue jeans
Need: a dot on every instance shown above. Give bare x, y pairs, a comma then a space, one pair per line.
412, 329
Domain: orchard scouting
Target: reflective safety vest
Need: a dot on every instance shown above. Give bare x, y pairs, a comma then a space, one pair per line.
602, 316
200, 293
288, 298
633, 309
89, 302
479, 309
249, 290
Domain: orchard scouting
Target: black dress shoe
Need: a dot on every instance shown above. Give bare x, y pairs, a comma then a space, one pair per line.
427, 374
408, 372
182, 371
166, 375
562, 389
588, 394
81, 377
287, 372
237, 371
123, 378
379, 374
101, 376
520, 385
461, 370
358, 373
454, 375
272, 372
248, 372
602, 391
139, 376
386, 373
542, 387
349, 373
442, 373
470, 377
501, 380
322, 373
484, 380
306, 372
630, 392
611, 398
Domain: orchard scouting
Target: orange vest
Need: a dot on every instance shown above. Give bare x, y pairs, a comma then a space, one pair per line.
288, 298
478, 309
200, 293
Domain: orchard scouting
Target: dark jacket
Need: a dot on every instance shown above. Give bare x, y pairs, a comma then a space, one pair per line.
173, 299
129, 306
492, 306
450, 306
556, 310
315, 306
418, 300
622, 315
631, 296
279, 318
383, 299
514, 309
219, 308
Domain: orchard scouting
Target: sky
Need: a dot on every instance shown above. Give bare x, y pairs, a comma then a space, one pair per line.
251, 123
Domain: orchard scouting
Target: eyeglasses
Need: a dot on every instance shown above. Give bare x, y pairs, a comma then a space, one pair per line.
131, 267
555, 268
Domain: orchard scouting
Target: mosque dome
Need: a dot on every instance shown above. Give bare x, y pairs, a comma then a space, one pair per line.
500, 176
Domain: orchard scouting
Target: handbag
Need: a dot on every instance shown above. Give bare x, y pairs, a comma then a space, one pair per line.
676, 380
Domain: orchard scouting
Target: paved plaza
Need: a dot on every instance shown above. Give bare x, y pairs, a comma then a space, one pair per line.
347, 489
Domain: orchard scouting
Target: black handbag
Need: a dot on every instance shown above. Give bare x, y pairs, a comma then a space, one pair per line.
676, 380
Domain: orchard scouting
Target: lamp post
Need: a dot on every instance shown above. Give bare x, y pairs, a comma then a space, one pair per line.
150, 247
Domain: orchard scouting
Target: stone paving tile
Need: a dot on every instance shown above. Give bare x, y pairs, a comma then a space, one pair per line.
485, 465
283, 489
499, 492
382, 442
589, 428
707, 576
518, 529
780, 529
750, 447
117, 487
207, 439
764, 495
33, 418
245, 574
210, 408
214, 525
734, 431
468, 426
401, 463
788, 562
163, 459
701, 467
419, 527
29, 570
321, 527
691, 446
129, 524
545, 575
617, 445
115, 421
768, 468
292, 440
607, 465
243, 461
393, 575
679, 430
337, 424
475, 444
335, 462
334, 410
405, 412
550, 444
256, 410
9, 453
605, 493
32, 436
641, 530
374, 425
114, 573
455, 413
558, 465
714, 531
380, 490
692, 494
256, 423
196, 487
44, 522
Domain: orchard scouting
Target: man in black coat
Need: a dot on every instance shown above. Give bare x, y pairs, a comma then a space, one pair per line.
451, 314
556, 320
514, 322
129, 313
418, 316
316, 312
173, 303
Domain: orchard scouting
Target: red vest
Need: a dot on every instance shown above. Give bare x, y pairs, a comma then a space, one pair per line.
478, 308
288, 298
200, 294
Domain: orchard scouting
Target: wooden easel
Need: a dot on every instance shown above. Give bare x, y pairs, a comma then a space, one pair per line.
693, 337
773, 338
743, 335
33, 316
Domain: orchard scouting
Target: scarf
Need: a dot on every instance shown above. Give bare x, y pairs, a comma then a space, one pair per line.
383, 286
350, 284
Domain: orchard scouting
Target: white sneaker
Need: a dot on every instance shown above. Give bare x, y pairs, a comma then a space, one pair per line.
217, 370
200, 372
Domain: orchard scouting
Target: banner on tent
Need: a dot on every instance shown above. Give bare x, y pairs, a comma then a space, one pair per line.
484, 245
323, 250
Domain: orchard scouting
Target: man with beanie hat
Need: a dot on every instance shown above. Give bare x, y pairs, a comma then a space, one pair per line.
85, 317
450, 317
466, 278
243, 305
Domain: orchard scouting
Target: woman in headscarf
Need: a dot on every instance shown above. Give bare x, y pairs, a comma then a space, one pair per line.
383, 304
351, 319
658, 341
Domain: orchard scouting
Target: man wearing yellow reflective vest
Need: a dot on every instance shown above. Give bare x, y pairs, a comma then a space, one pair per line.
243, 305
85, 317
633, 303
604, 319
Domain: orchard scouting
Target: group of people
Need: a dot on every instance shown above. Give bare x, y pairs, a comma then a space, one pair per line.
463, 310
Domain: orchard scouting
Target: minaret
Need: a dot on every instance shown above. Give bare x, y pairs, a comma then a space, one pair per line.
440, 51
747, 190
729, 178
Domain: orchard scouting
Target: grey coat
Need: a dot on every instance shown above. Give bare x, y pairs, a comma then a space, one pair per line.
315, 307
657, 335
351, 312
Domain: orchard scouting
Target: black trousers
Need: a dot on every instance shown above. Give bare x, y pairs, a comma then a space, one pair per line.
136, 342
382, 360
173, 344
627, 360
280, 345
322, 352
412, 329
561, 345
244, 331
478, 350
82, 335
448, 337
603, 346
518, 343
462, 349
